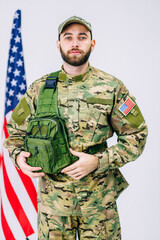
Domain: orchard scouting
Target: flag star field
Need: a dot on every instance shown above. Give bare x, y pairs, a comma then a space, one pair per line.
16, 84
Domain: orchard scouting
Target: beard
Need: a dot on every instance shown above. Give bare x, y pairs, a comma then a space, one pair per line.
75, 60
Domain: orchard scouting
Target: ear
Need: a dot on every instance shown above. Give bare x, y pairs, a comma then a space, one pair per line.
93, 43
58, 44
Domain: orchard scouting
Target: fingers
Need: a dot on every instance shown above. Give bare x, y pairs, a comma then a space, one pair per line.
34, 174
21, 158
86, 164
77, 175
31, 171
74, 165
69, 168
26, 169
74, 171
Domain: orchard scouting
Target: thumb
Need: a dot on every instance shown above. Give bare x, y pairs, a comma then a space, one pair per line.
75, 153
25, 154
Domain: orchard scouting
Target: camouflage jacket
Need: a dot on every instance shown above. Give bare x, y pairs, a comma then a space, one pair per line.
94, 105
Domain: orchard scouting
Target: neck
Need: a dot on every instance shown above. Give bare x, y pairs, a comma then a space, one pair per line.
75, 70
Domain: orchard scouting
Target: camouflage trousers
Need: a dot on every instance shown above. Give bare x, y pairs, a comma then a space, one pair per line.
100, 226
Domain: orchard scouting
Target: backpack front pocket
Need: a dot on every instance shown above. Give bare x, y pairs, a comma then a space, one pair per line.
42, 154
40, 133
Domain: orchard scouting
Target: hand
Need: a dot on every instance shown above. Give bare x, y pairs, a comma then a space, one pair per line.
26, 169
87, 163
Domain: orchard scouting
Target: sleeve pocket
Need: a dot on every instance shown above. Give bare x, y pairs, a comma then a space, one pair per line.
21, 112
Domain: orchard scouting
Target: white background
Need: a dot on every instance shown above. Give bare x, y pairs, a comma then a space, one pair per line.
128, 46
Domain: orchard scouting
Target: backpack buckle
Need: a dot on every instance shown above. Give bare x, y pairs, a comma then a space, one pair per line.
51, 82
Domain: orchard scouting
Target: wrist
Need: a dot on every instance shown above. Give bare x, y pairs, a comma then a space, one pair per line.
96, 161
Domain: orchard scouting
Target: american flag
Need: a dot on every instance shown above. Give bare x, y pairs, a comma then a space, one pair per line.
127, 106
18, 195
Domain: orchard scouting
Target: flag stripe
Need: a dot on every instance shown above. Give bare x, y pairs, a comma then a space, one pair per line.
18, 199
5, 128
20, 191
16, 205
8, 116
8, 234
1, 231
30, 188
130, 105
9, 214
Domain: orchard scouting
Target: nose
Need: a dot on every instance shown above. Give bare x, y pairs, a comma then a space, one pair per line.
75, 43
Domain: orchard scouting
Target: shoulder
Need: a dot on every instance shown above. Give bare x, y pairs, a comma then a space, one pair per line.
34, 88
106, 78
39, 81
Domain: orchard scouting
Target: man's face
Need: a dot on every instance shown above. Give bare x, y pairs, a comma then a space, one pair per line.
75, 44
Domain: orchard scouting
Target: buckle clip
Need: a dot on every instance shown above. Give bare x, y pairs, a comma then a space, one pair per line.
51, 82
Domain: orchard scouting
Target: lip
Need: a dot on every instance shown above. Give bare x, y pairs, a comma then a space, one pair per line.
75, 52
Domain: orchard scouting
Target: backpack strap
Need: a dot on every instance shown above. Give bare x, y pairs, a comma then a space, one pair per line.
47, 99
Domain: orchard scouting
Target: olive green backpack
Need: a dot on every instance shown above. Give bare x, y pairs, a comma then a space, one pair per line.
46, 137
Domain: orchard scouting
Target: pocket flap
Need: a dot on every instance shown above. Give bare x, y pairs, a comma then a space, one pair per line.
99, 100
21, 112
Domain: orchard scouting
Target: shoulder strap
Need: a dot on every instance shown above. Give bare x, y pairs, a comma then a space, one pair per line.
51, 81
47, 99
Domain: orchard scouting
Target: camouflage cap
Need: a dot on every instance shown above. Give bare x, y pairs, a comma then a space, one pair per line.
74, 19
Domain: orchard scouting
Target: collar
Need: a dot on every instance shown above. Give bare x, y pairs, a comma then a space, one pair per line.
63, 76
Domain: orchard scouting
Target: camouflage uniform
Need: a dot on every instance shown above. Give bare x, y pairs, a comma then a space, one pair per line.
90, 105
98, 226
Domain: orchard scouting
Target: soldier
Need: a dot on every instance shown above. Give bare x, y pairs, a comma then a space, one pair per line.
82, 197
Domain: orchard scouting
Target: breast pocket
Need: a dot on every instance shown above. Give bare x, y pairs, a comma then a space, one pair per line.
93, 117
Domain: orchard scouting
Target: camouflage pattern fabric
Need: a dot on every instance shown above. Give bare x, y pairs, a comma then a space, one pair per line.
74, 19
90, 104
98, 226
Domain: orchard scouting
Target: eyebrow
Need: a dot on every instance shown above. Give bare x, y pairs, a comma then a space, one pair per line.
67, 33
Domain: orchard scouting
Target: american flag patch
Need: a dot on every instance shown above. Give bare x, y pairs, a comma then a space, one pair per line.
127, 106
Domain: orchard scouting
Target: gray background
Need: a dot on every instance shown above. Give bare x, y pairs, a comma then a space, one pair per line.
127, 34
